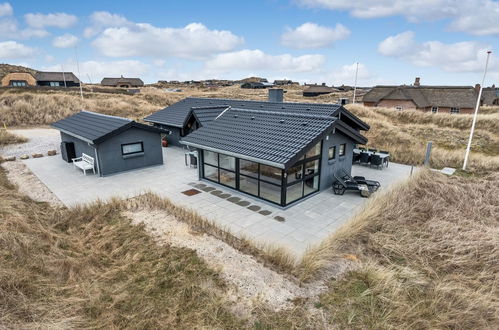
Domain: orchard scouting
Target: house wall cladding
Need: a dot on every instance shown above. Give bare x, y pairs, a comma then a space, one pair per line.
173, 138
112, 160
81, 147
329, 167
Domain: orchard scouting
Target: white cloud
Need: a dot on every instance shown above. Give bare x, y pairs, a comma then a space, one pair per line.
103, 19
6, 9
65, 41
466, 56
96, 70
311, 35
256, 60
480, 17
194, 41
9, 26
59, 20
15, 50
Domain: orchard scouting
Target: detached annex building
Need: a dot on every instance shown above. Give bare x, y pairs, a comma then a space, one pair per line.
51, 79
434, 99
116, 144
277, 151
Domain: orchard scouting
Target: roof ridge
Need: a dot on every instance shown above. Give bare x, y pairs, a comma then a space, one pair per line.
264, 101
281, 113
107, 116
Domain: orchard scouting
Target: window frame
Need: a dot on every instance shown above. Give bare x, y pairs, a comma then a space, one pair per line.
340, 153
434, 108
329, 154
135, 152
454, 110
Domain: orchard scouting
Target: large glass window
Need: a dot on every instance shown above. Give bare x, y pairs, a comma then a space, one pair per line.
312, 167
271, 174
210, 157
295, 173
294, 192
314, 151
248, 185
228, 178
270, 192
210, 172
227, 162
249, 168
311, 185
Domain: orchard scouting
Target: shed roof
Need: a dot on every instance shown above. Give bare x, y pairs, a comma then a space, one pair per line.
274, 138
425, 96
319, 89
177, 114
95, 127
122, 80
56, 76
489, 95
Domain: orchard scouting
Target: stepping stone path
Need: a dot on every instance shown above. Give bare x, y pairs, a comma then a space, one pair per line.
200, 185
243, 203
265, 212
234, 199
224, 196
255, 208
279, 218
207, 189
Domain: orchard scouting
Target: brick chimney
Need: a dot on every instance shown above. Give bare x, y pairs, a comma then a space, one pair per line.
416, 82
323, 84
477, 88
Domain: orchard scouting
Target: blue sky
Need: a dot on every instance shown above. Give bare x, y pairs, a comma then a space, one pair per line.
442, 41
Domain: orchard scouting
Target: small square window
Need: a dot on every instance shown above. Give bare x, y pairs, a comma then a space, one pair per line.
132, 148
434, 109
454, 110
399, 108
343, 149
332, 152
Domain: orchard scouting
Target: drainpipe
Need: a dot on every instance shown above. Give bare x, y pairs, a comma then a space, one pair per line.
96, 157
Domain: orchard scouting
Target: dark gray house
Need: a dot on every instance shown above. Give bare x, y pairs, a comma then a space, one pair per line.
279, 154
57, 79
116, 144
181, 118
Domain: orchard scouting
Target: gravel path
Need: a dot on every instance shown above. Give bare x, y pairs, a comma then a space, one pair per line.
40, 140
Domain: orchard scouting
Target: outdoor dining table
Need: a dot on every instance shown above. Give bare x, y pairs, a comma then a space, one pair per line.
384, 156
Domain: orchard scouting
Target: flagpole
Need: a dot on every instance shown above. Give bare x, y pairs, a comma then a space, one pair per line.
466, 155
355, 85
79, 75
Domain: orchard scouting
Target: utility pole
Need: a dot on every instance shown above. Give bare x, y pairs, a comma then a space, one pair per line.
63, 76
355, 84
466, 155
79, 75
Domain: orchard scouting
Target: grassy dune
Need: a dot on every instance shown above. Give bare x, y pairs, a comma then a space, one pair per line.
428, 256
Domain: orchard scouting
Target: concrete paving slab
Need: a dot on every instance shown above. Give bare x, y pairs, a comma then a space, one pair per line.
306, 223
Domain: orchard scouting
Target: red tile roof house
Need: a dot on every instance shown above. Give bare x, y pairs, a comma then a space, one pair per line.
435, 99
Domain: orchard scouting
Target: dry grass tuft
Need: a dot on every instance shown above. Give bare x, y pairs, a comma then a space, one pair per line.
90, 267
429, 252
7, 137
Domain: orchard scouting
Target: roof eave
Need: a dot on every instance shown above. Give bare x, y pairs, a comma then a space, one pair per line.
233, 154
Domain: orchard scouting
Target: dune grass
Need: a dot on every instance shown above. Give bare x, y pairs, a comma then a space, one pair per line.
428, 254
7, 137
90, 267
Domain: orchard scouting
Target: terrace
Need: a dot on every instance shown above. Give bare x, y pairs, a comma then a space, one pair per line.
295, 228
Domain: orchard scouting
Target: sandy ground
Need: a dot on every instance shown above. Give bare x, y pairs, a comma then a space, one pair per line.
251, 282
40, 140
29, 184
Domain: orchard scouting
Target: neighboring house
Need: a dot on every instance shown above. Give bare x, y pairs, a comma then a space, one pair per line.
435, 99
18, 79
122, 82
57, 79
316, 90
284, 82
116, 144
256, 85
277, 151
490, 96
